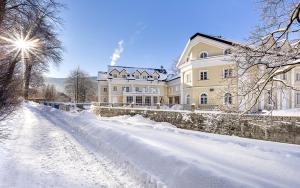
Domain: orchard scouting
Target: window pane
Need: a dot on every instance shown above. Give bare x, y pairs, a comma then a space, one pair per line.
138, 100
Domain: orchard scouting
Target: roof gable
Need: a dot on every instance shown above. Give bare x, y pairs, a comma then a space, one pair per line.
203, 38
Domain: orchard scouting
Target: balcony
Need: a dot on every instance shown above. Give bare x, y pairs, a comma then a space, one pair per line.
142, 92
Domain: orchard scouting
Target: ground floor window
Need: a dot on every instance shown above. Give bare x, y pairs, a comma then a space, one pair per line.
228, 98
138, 100
177, 100
203, 98
298, 98
155, 100
129, 99
188, 99
148, 100
170, 100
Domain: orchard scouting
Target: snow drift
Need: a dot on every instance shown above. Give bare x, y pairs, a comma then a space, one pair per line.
160, 155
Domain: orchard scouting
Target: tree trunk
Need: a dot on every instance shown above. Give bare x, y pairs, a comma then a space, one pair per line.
2, 10
27, 77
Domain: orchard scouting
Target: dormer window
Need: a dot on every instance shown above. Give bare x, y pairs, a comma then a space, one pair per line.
137, 77
124, 76
227, 51
145, 77
115, 75
203, 55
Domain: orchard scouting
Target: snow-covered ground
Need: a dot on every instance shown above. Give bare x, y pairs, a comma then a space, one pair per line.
287, 112
51, 148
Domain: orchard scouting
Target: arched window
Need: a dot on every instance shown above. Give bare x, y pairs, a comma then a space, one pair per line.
188, 99
203, 55
227, 51
228, 98
203, 98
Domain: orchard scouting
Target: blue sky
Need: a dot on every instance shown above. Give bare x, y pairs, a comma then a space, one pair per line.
154, 32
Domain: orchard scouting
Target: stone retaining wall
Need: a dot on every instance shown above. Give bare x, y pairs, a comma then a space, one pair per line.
272, 128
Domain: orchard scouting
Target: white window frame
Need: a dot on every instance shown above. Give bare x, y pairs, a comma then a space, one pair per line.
284, 76
227, 101
297, 99
224, 52
230, 76
128, 101
200, 99
203, 71
188, 78
297, 76
186, 99
203, 52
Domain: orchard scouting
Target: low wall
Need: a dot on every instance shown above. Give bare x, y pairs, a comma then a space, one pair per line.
272, 128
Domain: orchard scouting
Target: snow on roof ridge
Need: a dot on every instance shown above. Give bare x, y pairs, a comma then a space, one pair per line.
133, 67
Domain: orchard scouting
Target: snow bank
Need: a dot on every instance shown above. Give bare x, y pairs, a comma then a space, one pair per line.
287, 112
159, 155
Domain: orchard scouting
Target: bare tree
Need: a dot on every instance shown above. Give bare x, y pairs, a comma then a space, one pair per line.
33, 22
173, 67
79, 86
50, 49
270, 52
49, 92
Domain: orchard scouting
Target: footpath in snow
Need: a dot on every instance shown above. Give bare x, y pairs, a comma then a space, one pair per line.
36, 152
49, 147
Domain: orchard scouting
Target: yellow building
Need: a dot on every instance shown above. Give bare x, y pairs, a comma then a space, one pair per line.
208, 76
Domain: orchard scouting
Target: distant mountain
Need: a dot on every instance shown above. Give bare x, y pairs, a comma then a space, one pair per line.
59, 83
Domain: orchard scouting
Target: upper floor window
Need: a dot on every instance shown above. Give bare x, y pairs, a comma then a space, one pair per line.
126, 89
228, 98
284, 76
269, 98
188, 78
227, 51
203, 98
203, 75
228, 73
297, 76
105, 89
203, 55
115, 88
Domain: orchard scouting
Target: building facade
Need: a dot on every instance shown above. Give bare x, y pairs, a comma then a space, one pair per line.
207, 78
139, 86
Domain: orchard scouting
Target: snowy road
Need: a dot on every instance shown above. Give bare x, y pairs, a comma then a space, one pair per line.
51, 148
40, 154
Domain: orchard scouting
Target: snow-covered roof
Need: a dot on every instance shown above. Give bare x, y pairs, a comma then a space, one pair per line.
171, 77
102, 75
216, 38
130, 70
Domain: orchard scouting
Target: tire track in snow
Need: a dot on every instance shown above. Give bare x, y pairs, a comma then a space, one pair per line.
43, 155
